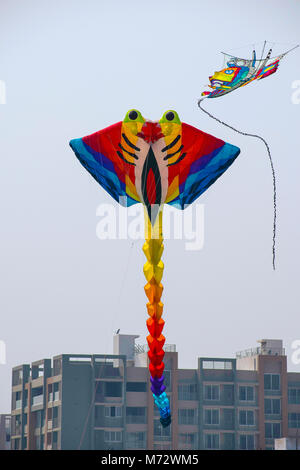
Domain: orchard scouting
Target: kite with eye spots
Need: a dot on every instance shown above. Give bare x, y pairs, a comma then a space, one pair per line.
154, 163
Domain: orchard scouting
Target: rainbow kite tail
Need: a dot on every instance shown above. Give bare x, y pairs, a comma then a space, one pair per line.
153, 271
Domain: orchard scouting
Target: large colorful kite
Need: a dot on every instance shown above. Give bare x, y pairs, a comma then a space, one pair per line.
154, 163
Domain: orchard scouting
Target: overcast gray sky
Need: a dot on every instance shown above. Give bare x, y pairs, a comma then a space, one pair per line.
74, 67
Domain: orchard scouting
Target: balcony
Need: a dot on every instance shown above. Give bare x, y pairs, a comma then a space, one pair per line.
18, 404
135, 445
37, 400
105, 422
136, 419
159, 438
55, 423
273, 417
228, 426
16, 429
272, 393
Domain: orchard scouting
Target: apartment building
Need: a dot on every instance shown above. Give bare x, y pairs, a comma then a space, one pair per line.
4, 431
104, 401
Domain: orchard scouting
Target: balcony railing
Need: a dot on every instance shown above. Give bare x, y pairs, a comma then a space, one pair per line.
55, 423
158, 438
136, 419
18, 404
37, 400
273, 417
135, 445
142, 348
259, 351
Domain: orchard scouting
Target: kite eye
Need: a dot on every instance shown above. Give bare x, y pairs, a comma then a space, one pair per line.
133, 115
170, 116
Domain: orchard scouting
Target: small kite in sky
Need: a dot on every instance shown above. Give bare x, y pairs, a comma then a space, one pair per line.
238, 73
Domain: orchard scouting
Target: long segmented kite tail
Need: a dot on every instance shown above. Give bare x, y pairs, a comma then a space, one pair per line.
272, 168
153, 271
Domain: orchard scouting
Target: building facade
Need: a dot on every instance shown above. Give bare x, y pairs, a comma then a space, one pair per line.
287, 443
5, 431
104, 401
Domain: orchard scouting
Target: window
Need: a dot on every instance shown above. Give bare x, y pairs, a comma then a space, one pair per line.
136, 387
187, 392
272, 381
272, 406
294, 420
113, 412
55, 416
55, 440
56, 366
228, 394
25, 398
160, 432
38, 443
228, 418
56, 391
246, 417
246, 441
136, 414
246, 393
211, 441
272, 430
37, 396
50, 393
17, 376
162, 446
211, 416
39, 419
294, 396
188, 440
112, 436
187, 416
113, 389
16, 425
136, 440
221, 365
212, 392
16, 444
18, 404
167, 379
228, 441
